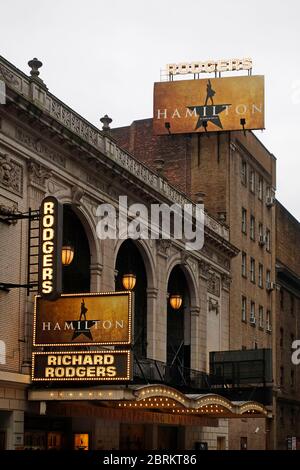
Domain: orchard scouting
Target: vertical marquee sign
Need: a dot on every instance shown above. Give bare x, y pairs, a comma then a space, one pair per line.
50, 267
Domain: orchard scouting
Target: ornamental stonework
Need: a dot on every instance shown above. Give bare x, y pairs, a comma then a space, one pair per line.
38, 174
38, 146
213, 284
11, 174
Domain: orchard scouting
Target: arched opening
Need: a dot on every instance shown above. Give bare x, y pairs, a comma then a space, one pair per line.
178, 326
75, 276
128, 260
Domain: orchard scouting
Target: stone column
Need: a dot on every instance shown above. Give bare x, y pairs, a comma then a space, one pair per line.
195, 341
151, 322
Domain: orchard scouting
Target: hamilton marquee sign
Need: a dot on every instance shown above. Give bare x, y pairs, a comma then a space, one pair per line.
83, 319
81, 365
208, 105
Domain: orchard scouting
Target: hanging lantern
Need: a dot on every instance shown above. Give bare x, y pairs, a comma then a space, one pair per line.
67, 255
176, 301
129, 281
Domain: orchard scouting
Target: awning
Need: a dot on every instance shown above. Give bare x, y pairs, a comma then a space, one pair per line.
155, 398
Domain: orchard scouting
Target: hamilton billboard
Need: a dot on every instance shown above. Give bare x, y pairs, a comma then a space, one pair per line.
209, 105
85, 319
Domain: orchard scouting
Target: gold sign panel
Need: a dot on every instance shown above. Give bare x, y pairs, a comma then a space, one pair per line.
210, 105
85, 319
103, 366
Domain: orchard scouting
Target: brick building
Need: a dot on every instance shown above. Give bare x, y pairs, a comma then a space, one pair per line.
235, 176
287, 328
46, 148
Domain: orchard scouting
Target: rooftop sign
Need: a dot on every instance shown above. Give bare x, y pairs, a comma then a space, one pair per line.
208, 66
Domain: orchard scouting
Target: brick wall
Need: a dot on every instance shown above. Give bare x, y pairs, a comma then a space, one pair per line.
287, 239
175, 150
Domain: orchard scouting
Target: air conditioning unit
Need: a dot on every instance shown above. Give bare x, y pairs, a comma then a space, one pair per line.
270, 285
252, 320
270, 201
261, 240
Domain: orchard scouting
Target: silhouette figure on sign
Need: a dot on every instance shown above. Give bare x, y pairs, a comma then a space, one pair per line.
209, 93
83, 311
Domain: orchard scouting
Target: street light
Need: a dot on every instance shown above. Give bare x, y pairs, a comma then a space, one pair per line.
176, 301
67, 255
129, 281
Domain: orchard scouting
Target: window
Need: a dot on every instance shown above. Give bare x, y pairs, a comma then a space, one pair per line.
244, 308
260, 275
268, 321
292, 304
244, 264
252, 181
292, 378
292, 417
281, 415
268, 239
260, 188
281, 376
243, 443
261, 238
281, 297
268, 278
292, 340
261, 316
244, 220
244, 172
252, 312
252, 269
252, 227
281, 338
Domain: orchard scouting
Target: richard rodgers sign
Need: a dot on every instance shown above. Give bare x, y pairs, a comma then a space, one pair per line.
81, 365
83, 319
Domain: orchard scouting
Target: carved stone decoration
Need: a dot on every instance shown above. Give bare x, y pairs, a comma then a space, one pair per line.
213, 284
38, 174
203, 269
226, 281
6, 211
38, 146
77, 194
163, 247
9, 77
185, 256
11, 174
213, 305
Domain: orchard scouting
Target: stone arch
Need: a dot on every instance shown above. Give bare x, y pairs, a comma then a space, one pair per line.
147, 256
189, 275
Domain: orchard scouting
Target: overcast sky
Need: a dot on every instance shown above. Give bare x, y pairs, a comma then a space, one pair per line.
103, 56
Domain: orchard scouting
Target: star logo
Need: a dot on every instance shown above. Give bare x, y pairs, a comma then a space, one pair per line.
82, 326
209, 113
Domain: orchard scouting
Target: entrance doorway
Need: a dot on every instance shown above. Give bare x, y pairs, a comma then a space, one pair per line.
167, 437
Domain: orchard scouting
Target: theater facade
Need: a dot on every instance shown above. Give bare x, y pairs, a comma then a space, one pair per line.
122, 359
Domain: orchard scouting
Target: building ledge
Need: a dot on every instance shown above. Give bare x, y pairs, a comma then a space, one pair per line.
14, 378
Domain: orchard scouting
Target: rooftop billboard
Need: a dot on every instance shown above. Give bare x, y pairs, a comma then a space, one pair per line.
209, 105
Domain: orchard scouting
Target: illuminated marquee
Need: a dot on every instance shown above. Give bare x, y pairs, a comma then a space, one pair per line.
94, 318
50, 248
208, 105
208, 66
81, 365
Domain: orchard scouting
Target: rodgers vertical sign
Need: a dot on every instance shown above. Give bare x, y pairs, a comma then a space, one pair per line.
50, 268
